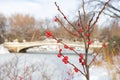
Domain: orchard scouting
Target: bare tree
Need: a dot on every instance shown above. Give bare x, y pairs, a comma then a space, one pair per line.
22, 25
112, 10
2, 27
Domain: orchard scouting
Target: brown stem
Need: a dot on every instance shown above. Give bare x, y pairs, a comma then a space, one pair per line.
91, 19
64, 44
95, 56
83, 7
84, 70
81, 21
65, 17
86, 57
78, 69
64, 26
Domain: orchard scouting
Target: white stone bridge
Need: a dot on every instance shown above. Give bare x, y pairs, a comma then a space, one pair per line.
17, 47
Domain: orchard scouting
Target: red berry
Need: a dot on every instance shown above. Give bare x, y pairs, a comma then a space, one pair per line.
60, 50
59, 55
78, 24
70, 48
80, 30
105, 45
65, 17
81, 55
76, 69
86, 34
65, 46
83, 63
89, 42
65, 61
66, 57
80, 60
55, 19
48, 34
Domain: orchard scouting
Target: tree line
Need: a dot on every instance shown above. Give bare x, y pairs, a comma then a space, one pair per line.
26, 27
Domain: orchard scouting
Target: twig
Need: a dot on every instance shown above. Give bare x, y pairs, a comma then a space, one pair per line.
81, 21
83, 7
78, 69
95, 56
65, 16
100, 13
64, 26
91, 19
65, 44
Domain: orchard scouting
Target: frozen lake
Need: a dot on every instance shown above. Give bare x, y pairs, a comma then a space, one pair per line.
48, 65
43, 66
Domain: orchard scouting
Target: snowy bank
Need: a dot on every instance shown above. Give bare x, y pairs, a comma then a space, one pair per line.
3, 50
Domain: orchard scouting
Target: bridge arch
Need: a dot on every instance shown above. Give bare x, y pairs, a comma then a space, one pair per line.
23, 50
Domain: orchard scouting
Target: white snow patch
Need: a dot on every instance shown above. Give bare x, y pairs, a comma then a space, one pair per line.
3, 50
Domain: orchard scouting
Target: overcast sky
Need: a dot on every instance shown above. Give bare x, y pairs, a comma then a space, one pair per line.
42, 9
37, 8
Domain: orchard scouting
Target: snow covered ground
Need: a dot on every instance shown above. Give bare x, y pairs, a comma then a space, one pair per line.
43, 67
3, 50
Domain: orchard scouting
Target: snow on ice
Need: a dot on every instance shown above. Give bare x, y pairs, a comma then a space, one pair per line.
43, 67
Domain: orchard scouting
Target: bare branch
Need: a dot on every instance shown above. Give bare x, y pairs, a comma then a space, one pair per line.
91, 19
95, 56
65, 16
100, 13
116, 15
83, 7
81, 21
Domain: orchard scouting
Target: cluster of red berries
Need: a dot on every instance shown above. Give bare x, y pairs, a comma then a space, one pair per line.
78, 23
81, 59
65, 58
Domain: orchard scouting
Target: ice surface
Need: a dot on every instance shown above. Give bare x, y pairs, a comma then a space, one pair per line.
46, 67
43, 67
